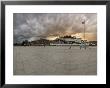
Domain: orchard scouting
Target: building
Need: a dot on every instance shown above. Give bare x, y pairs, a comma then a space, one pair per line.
65, 40
92, 43
71, 40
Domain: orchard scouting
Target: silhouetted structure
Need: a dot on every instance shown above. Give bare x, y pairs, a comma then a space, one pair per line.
65, 40
92, 43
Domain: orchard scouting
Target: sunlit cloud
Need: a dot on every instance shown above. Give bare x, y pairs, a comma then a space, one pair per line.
32, 26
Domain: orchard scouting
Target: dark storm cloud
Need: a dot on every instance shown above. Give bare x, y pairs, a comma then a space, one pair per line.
32, 26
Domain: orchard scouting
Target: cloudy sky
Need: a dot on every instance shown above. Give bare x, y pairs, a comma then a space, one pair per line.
32, 26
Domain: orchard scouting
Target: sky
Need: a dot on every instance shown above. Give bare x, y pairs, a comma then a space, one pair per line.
33, 26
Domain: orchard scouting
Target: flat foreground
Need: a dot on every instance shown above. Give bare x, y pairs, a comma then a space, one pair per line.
54, 60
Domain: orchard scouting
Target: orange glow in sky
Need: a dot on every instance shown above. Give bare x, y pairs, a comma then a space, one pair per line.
88, 36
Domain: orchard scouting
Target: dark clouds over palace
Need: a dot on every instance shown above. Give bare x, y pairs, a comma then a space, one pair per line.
33, 26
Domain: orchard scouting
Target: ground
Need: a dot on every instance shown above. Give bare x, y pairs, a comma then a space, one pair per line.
54, 60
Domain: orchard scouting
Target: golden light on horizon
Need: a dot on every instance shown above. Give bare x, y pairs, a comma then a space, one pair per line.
51, 37
88, 36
